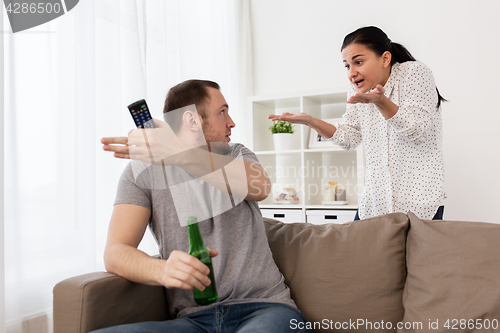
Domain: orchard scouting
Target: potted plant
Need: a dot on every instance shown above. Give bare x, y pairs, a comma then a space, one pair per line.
282, 135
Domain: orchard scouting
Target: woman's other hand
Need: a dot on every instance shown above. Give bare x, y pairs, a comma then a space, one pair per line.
373, 96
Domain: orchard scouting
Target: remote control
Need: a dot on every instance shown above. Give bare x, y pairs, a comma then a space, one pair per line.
140, 113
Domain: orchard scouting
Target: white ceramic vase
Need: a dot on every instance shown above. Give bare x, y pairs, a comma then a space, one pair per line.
282, 141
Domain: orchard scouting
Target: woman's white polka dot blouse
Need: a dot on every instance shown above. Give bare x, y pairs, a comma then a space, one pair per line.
404, 160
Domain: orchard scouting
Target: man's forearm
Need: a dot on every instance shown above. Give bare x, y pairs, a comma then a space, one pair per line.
133, 264
234, 175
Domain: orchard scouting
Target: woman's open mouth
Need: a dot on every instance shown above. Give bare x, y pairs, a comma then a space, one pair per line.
359, 83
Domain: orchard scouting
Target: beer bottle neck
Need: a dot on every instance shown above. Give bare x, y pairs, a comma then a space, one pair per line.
195, 240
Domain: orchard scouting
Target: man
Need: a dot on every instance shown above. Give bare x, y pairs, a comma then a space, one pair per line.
252, 296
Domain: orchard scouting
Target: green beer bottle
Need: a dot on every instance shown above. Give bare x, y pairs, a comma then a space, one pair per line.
198, 250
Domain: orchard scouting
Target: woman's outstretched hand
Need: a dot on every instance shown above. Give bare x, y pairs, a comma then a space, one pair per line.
371, 97
299, 118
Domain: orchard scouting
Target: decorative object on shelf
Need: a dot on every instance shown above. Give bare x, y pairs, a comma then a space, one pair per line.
318, 141
282, 135
340, 194
286, 195
333, 195
329, 193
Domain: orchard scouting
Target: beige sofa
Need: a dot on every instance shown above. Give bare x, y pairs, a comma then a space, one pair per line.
393, 273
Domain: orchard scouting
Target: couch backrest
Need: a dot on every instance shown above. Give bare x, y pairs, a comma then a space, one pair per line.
340, 274
453, 280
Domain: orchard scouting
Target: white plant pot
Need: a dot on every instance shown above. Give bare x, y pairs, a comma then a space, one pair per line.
282, 141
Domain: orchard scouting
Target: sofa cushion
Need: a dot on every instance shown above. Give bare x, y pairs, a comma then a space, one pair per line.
453, 276
342, 274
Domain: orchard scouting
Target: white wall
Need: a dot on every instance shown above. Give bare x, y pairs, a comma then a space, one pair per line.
297, 47
2, 237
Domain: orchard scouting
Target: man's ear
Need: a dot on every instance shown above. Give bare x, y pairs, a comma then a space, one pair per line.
386, 58
191, 120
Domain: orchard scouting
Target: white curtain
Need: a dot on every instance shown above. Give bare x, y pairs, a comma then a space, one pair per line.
67, 84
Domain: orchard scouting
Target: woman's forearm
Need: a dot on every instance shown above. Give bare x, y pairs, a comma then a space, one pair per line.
323, 128
386, 107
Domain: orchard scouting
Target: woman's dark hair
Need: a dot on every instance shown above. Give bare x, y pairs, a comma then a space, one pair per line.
377, 41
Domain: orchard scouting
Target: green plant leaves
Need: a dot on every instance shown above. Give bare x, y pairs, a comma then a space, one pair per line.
281, 126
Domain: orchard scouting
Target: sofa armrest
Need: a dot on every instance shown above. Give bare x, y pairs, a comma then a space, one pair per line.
98, 300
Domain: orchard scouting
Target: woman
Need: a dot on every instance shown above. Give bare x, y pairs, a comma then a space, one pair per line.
393, 106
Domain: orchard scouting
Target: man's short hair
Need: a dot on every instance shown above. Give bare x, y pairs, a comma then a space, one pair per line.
187, 93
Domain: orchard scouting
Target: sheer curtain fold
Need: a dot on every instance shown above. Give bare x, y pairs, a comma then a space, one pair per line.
67, 84
48, 165
2, 187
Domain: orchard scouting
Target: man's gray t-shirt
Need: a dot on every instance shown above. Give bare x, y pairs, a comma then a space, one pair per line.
244, 269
